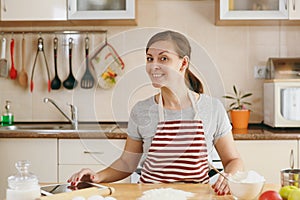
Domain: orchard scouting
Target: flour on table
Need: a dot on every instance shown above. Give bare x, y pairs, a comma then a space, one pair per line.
165, 193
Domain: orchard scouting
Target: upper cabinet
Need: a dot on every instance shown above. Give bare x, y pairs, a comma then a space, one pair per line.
256, 11
33, 10
67, 12
101, 9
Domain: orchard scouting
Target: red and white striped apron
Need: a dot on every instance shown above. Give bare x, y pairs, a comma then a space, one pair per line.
178, 152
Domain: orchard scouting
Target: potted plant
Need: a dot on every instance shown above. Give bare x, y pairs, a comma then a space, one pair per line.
238, 111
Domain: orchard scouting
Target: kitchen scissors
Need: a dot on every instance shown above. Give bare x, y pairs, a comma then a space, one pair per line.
40, 49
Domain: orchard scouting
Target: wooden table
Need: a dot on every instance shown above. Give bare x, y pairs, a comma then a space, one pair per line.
201, 191
126, 191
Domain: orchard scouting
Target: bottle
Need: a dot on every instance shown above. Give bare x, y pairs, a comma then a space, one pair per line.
23, 185
7, 118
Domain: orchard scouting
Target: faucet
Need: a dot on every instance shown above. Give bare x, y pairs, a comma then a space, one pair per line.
74, 113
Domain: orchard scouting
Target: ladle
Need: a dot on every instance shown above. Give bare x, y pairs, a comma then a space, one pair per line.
55, 83
23, 77
70, 82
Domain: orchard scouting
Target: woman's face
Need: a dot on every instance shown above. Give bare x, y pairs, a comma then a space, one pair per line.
163, 65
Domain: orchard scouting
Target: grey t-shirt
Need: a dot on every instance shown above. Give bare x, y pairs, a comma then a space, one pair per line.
144, 118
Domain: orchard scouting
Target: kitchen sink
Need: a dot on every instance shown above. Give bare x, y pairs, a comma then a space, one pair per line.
56, 128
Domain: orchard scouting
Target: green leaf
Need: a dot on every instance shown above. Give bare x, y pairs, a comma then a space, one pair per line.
235, 91
229, 97
246, 95
246, 103
232, 104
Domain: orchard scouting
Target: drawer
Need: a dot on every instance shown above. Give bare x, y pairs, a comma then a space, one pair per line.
66, 171
89, 151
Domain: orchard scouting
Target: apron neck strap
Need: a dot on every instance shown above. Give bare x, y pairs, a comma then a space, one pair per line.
161, 108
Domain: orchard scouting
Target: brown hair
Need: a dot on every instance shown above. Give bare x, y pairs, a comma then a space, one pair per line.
182, 48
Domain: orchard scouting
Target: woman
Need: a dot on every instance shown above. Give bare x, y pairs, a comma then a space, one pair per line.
172, 133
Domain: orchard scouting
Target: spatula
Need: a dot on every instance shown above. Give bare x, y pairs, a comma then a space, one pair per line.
23, 77
87, 80
13, 72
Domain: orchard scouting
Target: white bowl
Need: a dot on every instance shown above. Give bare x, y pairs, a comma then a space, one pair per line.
245, 191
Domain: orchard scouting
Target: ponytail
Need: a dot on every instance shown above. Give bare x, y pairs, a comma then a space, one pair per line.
192, 82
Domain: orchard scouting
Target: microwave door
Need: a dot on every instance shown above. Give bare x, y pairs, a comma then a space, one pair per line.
297, 102
290, 104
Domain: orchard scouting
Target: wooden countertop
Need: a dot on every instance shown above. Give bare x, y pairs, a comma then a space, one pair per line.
125, 191
254, 132
201, 191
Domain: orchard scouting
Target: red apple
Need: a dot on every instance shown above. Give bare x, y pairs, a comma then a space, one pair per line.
270, 195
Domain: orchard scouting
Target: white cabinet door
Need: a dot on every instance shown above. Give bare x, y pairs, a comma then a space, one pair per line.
65, 171
104, 9
267, 157
253, 10
294, 9
96, 154
42, 154
33, 10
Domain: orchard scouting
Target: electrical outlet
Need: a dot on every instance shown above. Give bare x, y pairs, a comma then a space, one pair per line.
260, 72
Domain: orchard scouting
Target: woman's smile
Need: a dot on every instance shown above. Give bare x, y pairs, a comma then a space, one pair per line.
156, 75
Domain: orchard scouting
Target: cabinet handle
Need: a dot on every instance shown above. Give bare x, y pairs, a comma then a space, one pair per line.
4, 6
285, 4
294, 5
292, 159
93, 152
69, 5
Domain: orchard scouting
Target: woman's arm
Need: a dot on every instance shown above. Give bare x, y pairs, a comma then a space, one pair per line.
119, 169
231, 161
125, 165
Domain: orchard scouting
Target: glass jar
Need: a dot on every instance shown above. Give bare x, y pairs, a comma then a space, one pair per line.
23, 185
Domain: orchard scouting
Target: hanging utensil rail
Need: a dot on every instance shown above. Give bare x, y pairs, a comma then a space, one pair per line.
69, 32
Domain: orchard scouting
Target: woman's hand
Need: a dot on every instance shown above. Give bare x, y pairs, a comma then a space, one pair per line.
85, 174
221, 185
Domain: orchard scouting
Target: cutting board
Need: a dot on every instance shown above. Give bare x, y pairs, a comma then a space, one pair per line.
83, 192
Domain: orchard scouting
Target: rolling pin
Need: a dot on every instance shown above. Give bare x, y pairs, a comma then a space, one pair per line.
82, 192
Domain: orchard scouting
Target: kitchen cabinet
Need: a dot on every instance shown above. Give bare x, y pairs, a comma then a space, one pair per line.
33, 10
268, 157
294, 9
67, 13
257, 12
42, 154
96, 154
95, 9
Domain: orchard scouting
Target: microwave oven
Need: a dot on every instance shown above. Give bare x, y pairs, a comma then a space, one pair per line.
282, 103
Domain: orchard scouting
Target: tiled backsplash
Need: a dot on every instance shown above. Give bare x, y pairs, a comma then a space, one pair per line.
232, 52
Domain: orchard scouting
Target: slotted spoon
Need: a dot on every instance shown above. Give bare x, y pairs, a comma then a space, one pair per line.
87, 80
